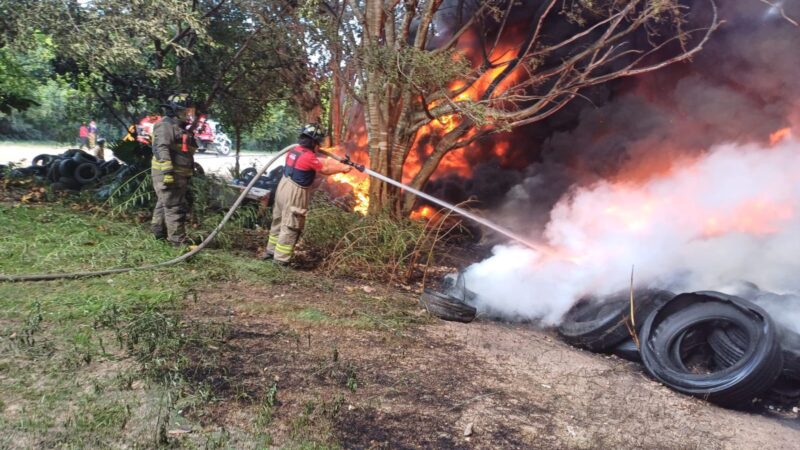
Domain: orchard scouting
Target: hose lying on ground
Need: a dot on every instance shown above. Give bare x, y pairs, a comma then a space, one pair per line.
184, 257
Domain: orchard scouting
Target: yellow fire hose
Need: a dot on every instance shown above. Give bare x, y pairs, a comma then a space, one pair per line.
184, 257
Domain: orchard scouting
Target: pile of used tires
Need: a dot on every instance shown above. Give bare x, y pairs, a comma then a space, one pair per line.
269, 181
718, 347
71, 170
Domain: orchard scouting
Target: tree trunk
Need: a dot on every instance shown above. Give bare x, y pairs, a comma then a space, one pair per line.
376, 115
335, 120
238, 132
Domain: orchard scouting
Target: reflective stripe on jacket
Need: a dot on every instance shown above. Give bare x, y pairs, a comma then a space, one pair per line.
172, 152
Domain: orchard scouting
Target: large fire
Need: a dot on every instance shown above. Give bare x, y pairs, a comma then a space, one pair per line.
360, 186
460, 161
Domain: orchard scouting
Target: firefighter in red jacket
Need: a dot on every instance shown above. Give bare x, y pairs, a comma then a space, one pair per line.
172, 167
294, 193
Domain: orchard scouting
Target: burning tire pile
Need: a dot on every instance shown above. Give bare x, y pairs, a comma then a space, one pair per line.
71, 170
718, 347
721, 348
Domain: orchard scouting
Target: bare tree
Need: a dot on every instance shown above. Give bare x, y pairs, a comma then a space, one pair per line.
412, 75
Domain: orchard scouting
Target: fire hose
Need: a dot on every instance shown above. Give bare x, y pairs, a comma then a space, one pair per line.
182, 258
344, 160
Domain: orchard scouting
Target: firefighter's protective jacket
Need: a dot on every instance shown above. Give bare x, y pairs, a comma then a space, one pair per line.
173, 148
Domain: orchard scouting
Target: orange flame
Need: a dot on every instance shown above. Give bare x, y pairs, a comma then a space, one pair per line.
360, 190
753, 217
780, 135
424, 213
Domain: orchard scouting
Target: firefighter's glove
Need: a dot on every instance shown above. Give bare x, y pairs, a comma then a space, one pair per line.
169, 180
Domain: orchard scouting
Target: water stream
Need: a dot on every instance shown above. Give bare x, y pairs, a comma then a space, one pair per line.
488, 224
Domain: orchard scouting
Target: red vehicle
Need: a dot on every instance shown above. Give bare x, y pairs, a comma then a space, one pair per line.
211, 137
144, 130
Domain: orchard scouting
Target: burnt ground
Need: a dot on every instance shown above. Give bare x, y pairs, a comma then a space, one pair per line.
364, 367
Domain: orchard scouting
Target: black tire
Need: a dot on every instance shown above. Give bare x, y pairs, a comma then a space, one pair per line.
69, 183
791, 357
446, 307
198, 170
110, 166
86, 173
42, 160
38, 171
248, 174
689, 318
600, 324
52, 171
784, 391
21, 172
66, 168
727, 352
83, 157
627, 350
276, 174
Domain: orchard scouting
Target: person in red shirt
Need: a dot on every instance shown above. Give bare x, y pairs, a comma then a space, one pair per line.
294, 193
83, 135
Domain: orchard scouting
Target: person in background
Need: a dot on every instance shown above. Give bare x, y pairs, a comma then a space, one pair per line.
132, 134
100, 149
92, 134
83, 135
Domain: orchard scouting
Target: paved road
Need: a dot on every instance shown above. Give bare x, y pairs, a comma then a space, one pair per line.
212, 163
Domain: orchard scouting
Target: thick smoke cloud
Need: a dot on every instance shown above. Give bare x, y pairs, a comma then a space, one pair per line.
729, 216
742, 87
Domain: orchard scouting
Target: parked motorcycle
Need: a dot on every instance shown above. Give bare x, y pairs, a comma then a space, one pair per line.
212, 138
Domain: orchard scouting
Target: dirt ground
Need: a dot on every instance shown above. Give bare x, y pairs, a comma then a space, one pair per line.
443, 385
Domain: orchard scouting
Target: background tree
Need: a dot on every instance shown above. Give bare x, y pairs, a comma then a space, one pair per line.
132, 55
463, 69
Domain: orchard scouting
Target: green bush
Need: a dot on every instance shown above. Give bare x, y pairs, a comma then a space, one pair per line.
326, 225
380, 247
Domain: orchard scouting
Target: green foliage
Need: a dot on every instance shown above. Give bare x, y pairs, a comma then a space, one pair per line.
132, 152
16, 87
381, 246
326, 224
48, 106
118, 60
275, 129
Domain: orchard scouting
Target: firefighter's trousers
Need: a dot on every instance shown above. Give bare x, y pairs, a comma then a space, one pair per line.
169, 216
288, 218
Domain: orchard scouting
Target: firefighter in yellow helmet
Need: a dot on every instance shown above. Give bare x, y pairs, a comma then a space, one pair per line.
294, 193
172, 167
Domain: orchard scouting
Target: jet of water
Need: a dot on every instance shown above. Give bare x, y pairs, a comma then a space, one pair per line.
488, 224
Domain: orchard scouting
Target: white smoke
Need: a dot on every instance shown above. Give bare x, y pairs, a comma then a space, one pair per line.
732, 215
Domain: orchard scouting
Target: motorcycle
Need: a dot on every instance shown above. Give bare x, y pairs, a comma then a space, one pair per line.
211, 137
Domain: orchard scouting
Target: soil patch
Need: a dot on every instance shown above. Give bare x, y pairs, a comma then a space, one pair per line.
422, 384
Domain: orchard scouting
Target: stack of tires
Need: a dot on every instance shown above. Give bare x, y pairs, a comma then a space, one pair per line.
269, 181
722, 348
71, 170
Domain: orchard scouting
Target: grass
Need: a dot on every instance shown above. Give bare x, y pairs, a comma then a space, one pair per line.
97, 362
111, 361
